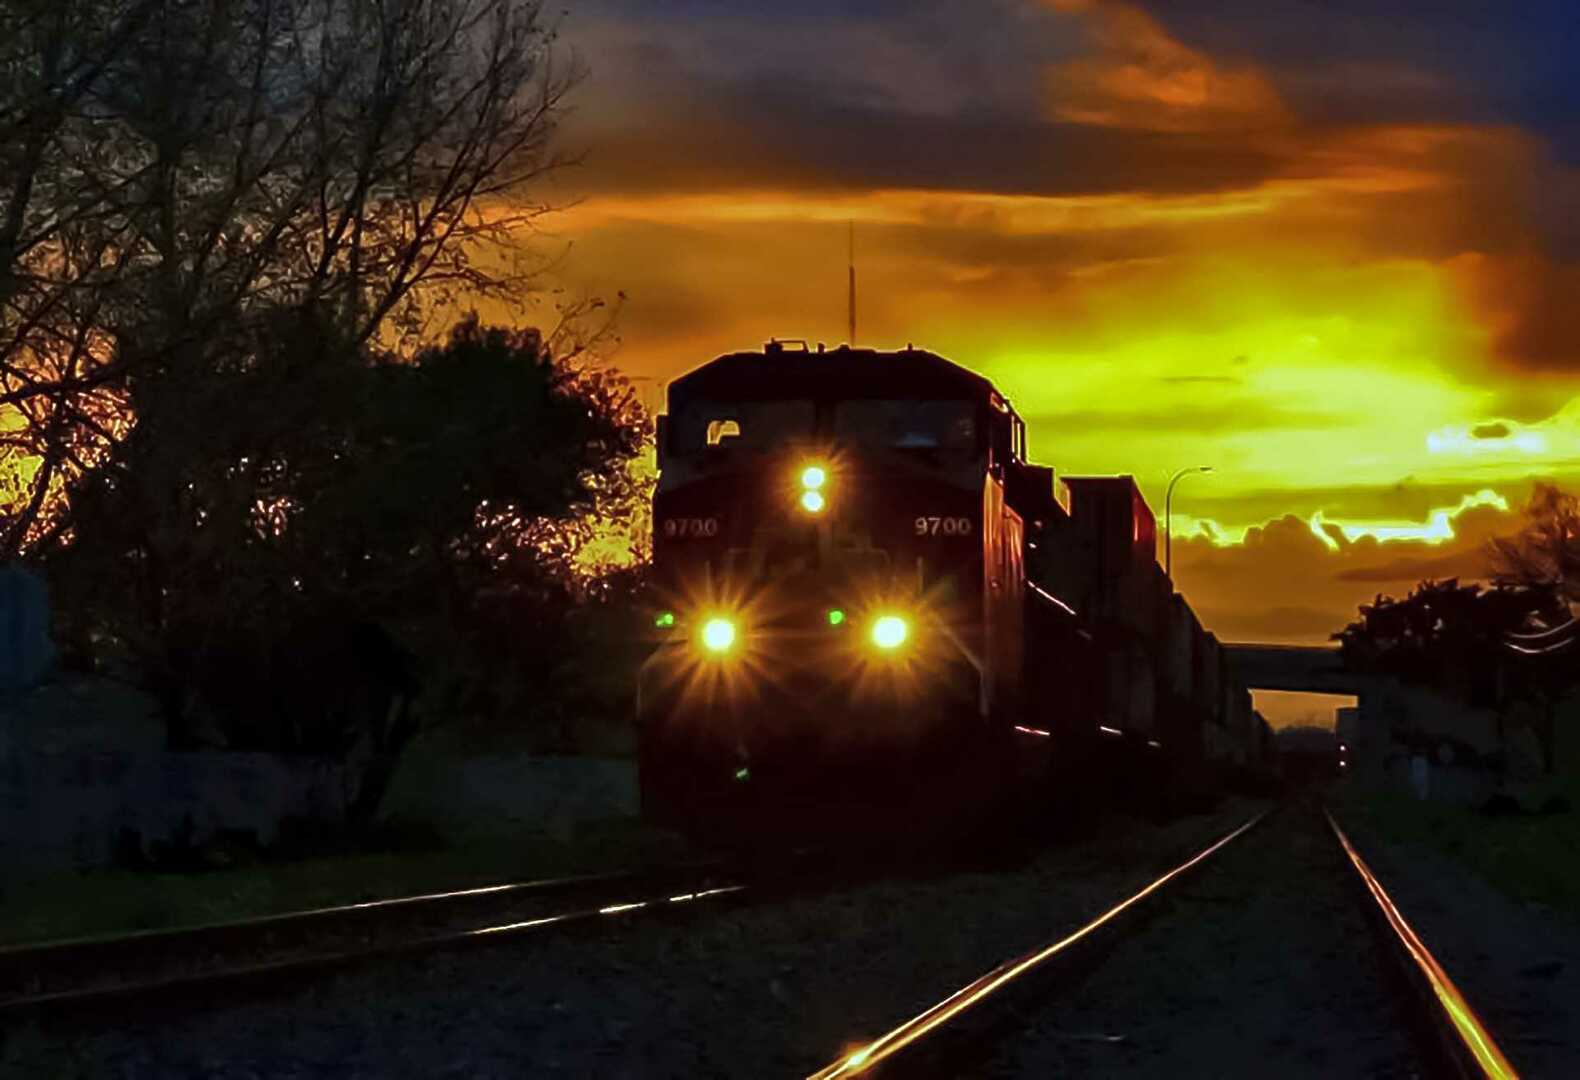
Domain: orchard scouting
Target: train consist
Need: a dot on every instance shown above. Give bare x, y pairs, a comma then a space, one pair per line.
868, 599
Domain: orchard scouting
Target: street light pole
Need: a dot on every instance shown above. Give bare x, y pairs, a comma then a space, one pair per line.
1168, 531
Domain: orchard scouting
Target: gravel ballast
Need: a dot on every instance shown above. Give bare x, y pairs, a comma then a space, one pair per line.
776, 989
1261, 965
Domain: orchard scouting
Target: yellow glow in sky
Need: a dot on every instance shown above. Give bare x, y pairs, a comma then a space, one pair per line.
1360, 323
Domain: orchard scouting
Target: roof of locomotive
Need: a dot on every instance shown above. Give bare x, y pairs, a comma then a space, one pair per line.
844, 372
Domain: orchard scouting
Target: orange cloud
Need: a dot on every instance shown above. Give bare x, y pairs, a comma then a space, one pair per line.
1318, 580
1144, 80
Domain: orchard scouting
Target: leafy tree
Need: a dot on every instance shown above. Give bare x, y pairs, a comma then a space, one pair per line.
1452, 637
1443, 633
331, 495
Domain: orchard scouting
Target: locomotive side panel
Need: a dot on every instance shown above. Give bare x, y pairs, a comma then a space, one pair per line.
1003, 602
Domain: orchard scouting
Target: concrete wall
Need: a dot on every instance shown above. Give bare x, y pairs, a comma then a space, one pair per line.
470, 795
25, 649
1394, 725
68, 810
1410, 709
83, 759
1455, 785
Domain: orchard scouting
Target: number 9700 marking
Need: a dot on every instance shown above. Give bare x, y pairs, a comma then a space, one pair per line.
943, 526
690, 528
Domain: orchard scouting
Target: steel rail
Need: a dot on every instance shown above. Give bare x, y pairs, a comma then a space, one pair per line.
136, 967
1465, 1039
974, 993
313, 962
46, 951
105, 967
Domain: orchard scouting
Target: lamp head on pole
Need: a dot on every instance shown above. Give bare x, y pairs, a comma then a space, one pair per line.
1168, 522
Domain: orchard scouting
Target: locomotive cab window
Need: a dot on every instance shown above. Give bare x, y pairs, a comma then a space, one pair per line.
719, 430
710, 427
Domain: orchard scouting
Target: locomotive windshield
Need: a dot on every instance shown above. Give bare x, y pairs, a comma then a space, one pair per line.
947, 427
753, 426
907, 425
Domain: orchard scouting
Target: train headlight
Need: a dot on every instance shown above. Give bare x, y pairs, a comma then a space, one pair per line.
890, 631
813, 477
718, 635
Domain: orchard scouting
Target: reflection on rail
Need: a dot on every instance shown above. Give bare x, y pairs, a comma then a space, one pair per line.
180, 963
1466, 1024
611, 909
546, 886
915, 1028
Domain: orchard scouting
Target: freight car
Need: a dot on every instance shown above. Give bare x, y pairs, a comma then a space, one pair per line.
871, 607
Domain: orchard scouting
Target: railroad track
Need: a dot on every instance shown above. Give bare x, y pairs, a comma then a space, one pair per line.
965, 1033
162, 968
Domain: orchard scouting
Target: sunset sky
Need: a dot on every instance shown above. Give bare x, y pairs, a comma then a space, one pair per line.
1331, 252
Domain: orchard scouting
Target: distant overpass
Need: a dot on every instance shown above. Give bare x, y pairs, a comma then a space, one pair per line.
1314, 669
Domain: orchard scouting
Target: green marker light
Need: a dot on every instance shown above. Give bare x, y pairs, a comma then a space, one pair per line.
665, 619
835, 616
743, 774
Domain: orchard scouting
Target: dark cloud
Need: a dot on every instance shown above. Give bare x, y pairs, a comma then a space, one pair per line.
714, 97
763, 138
1495, 429
1463, 61
932, 56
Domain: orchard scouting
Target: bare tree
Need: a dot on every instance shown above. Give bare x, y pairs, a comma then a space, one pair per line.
60, 246
1546, 550
186, 173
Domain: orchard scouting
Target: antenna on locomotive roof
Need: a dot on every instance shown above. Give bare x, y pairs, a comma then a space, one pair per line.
852, 260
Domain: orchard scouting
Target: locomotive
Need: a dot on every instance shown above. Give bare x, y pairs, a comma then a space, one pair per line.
870, 606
